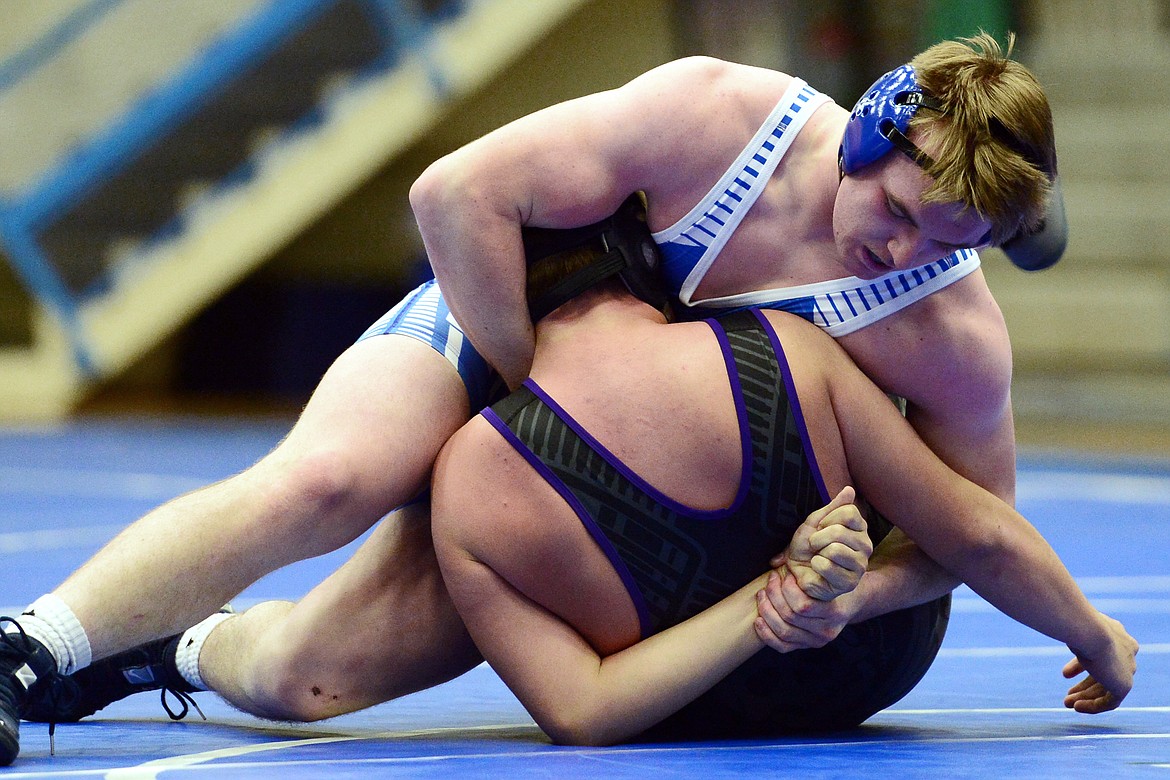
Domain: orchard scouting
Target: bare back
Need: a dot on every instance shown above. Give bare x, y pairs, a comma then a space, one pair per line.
659, 398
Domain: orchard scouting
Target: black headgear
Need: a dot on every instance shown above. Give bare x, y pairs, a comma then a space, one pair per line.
628, 251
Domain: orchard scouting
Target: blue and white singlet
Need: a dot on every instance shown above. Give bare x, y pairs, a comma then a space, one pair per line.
840, 306
689, 248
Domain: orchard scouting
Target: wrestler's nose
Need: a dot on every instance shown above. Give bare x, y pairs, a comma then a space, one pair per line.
910, 250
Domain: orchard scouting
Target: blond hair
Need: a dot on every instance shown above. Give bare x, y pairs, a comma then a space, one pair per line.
993, 144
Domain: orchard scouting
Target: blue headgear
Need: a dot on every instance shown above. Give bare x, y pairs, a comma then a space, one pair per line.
879, 121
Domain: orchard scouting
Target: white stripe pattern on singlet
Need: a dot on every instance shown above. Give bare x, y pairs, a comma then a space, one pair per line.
842, 306
692, 244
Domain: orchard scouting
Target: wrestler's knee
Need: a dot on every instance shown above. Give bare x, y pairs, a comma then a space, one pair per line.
288, 684
286, 699
319, 498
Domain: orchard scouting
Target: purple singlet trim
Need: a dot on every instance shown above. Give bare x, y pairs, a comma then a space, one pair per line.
794, 403
657, 495
745, 435
594, 530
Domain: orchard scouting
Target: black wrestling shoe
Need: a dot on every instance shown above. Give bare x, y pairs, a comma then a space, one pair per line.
148, 667
27, 671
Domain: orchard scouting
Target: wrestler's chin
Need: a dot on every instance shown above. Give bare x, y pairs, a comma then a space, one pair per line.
864, 265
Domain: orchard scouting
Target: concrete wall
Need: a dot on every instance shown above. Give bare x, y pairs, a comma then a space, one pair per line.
1092, 335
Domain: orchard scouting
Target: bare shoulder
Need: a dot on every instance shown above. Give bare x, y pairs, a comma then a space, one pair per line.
485, 496
949, 349
705, 71
969, 349
476, 438
950, 357
797, 333
704, 83
691, 115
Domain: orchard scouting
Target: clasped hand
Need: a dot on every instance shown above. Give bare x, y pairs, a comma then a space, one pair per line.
805, 603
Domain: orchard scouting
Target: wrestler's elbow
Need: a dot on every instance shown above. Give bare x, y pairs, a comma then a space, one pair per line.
984, 552
431, 192
580, 725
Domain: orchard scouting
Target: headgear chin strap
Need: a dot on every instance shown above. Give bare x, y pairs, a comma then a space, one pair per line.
879, 121
629, 252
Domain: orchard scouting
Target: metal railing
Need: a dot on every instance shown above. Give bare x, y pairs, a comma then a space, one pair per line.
65, 279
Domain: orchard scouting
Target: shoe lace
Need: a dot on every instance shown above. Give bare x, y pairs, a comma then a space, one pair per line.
13, 649
9, 638
60, 696
58, 692
186, 701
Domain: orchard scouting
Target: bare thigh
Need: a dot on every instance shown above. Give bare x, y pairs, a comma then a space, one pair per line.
364, 444
375, 424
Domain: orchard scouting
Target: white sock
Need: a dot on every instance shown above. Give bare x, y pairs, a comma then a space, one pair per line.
191, 645
50, 621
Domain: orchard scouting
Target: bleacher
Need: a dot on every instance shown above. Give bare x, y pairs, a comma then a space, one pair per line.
153, 155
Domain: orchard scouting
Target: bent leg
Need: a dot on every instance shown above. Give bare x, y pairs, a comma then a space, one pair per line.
380, 627
364, 444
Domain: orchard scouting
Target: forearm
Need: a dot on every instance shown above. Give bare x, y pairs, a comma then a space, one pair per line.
1007, 562
971, 533
637, 687
473, 242
900, 576
981, 540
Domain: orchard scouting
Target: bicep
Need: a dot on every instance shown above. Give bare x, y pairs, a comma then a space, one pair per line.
958, 385
979, 444
574, 163
562, 166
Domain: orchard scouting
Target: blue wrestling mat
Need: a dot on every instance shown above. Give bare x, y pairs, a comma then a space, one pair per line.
990, 706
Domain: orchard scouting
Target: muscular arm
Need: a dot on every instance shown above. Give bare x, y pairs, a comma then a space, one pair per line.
558, 167
900, 575
951, 360
971, 533
567, 165
949, 355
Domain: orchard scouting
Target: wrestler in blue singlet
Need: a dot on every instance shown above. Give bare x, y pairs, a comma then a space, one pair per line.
840, 306
689, 248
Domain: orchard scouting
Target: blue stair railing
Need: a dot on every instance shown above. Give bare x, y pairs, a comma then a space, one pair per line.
35, 222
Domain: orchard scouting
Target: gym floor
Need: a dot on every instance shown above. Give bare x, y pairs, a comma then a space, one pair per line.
989, 707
